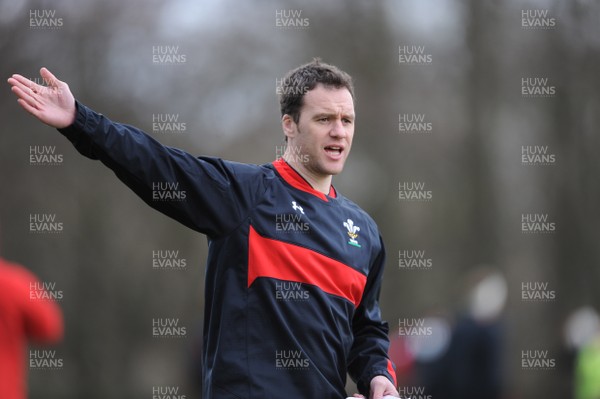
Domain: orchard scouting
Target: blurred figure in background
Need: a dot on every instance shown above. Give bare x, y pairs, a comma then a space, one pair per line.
462, 359
431, 375
402, 356
477, 342
22, 320
582, 332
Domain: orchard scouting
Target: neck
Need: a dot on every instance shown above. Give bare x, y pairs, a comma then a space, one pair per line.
318, 181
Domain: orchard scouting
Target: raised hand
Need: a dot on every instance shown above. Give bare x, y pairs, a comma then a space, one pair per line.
52, 104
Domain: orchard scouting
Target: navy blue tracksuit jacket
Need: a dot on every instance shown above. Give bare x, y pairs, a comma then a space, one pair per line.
293, 275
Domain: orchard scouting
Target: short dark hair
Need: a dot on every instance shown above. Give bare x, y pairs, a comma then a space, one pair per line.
299, 81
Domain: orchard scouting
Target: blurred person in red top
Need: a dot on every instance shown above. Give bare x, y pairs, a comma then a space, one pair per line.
22, 320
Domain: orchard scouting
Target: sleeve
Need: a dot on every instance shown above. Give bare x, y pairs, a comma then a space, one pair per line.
43, 320
369, 353
206, 194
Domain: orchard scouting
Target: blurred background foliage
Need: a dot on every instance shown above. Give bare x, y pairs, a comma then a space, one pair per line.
225, 92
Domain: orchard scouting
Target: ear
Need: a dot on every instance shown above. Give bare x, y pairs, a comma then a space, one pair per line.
289, 126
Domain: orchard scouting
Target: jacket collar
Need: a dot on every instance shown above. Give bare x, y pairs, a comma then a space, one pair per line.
294, 179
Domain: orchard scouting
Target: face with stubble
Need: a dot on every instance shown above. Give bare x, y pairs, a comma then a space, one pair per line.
323, 135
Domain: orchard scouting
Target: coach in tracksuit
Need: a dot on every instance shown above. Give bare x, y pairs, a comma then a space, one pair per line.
294, 268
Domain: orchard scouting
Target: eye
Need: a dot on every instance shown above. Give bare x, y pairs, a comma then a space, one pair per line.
347, 121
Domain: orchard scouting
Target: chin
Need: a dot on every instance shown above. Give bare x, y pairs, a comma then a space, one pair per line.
335, 170
326, 167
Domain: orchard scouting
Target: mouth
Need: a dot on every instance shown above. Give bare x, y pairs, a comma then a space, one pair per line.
334, 150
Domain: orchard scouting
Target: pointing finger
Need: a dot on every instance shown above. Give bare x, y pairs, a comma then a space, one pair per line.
25, 83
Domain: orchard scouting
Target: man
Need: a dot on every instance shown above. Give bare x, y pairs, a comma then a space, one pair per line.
26, 314
290, 307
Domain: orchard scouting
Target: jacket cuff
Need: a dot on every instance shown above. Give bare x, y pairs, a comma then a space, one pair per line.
72, 131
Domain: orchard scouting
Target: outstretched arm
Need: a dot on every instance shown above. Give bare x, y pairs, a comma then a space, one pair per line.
206, 194
52, 104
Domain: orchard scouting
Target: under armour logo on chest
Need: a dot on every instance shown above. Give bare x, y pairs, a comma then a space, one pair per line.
297, 207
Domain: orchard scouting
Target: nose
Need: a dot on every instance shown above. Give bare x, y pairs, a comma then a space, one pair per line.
338, 129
